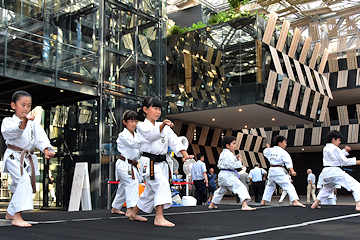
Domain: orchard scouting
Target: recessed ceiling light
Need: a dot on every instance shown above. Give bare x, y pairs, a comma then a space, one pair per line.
273, 119
245, 126
303, 149
240, 110
61, 90
213, 119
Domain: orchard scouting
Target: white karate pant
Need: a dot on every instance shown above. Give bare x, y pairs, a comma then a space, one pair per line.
284, 182
347, 182
128, 188
283, 196
22, 198
329, 201
157, 192
336, 176
229, 181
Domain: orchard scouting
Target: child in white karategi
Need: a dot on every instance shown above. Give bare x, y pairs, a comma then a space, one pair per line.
332, 174
22, 136
156, 137
279, 159
228, 178
128, 144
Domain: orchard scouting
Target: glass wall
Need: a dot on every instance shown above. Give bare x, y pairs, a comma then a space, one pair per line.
111, 50
213, 67
133, 66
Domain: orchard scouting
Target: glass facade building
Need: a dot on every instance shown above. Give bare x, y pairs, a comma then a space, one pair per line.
84, 62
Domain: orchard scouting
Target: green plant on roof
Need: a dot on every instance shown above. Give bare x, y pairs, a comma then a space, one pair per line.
220, 17
237, 3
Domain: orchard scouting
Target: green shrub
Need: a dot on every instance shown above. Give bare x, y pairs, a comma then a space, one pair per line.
237, 3
176, 30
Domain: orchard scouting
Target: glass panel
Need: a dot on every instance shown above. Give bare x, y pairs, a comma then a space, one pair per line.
212, 67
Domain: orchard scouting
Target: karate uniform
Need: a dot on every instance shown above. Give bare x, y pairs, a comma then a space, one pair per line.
284, 193
229, 180
31, 138
128, 189
157, 191
278, 175
332, 174
331, 200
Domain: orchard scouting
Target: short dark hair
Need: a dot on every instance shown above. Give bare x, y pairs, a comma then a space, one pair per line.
18, 94
129, 115
333, 135
228, 140
199, 155
278, 139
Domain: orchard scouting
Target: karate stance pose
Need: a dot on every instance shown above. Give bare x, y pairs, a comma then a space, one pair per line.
279, 159
128, 144
228, 177
22, 136
157, 136
332, 174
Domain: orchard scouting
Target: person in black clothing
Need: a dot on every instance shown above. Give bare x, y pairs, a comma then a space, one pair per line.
257, 176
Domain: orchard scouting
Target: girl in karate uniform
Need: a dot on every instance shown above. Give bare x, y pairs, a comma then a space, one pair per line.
332, 174
156, 137
128, 144
279, 158
22, 136
228, 177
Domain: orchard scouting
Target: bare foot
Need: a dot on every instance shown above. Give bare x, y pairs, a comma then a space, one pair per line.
212, 206
357, 208
296, 203
20, 223
131, 214
139, 218
247, 208
9, 217
315, 204
163, 223
117, 211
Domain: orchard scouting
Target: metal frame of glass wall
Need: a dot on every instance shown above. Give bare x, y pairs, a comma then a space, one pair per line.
110, 49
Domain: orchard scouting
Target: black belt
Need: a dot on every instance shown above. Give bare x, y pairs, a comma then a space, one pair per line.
153, 159
277, 166
132, 163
